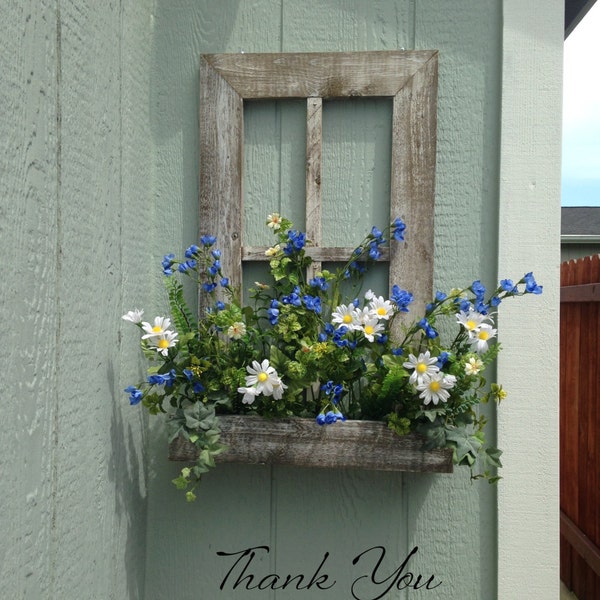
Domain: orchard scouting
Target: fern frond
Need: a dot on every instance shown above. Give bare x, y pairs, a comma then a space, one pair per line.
180, 312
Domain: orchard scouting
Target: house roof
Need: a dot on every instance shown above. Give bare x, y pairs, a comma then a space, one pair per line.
575, 10
581, 221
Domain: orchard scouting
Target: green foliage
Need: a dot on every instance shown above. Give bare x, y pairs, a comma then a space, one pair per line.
300, 348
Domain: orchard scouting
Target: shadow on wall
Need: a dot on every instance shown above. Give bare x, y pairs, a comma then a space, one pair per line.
127, 475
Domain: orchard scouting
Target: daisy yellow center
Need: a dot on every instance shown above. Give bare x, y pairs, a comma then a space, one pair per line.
262, 377
157, 329
483, 335
381, 311
434, 386
471, 324
163, 344
347, 319
368, 329
421, 368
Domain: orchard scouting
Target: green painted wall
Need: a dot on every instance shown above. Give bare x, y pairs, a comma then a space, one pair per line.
76, 195
98, 179
301, 514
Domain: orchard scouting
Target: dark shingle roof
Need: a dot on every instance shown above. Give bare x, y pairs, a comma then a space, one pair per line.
575, 10
580, 220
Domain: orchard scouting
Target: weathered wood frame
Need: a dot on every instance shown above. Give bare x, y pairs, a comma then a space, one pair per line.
408, 77
303, 443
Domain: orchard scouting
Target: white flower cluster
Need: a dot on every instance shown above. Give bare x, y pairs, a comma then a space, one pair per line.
367, 319
158, 336
427, 378
480, 332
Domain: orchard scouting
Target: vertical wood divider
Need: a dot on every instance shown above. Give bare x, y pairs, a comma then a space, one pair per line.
314, 154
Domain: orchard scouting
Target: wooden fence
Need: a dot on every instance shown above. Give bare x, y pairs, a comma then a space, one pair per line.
580, 427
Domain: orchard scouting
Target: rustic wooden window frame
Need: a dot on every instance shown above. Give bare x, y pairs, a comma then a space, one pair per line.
408, 77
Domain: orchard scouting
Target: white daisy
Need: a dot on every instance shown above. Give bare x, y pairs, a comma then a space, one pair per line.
278, 388
163, 341
424, 366
161, 325
346, 316
135, 316
479, 339
471, 320
371, 328
435, 388
384, 309
262, 376
250, 394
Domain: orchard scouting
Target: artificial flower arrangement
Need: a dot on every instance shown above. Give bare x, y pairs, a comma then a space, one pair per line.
321, 348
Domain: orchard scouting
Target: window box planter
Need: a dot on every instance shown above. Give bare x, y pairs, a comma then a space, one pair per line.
302, 443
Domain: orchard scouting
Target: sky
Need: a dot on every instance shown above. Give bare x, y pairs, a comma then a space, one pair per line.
581, 113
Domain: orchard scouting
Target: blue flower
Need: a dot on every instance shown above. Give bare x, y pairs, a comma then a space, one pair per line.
167, 263
293, 298
440, 296
508, 286
313, 303
531, 287
494, 301
191, 251
135, 395
297, 239
319, 282
377, 234
374, 251
398, 351
430, 332
162, 378
216, 254
209, 286
401, 298
220, 305
273, 312
224, 282
442, 359
398, 229
208, 240
478, 289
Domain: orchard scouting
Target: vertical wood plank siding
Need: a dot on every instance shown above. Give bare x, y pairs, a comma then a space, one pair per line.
580, 426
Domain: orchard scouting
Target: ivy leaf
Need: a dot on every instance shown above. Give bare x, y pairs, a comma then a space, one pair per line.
466, 446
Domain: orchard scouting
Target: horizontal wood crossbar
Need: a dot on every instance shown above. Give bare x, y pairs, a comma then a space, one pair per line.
302, 443
586, 292
331, 254
580, 542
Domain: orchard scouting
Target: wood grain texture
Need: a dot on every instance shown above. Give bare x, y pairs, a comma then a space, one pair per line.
303, 443
409, 77
69, 462
29, 215
318, 74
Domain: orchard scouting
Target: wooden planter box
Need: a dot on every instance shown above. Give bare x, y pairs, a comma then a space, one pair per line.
302, 443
